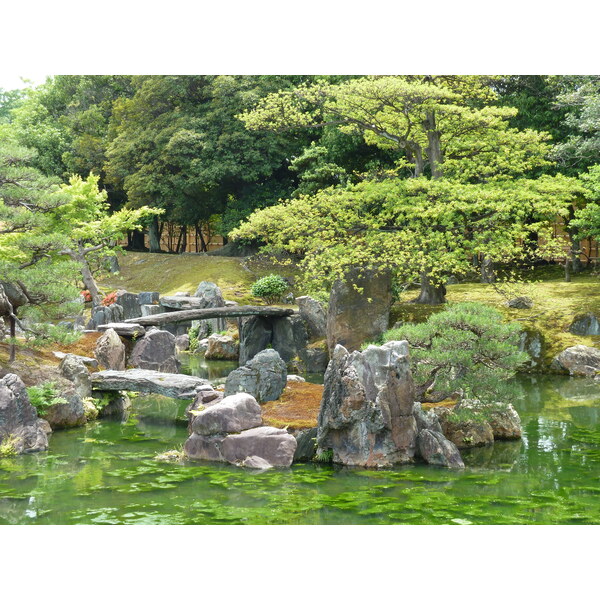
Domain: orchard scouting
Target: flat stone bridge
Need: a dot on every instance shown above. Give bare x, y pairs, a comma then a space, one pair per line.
174, 385
222, 312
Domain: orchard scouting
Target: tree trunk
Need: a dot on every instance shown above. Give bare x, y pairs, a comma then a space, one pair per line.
576, 255
434, 150
88, 280
154, 235
13, 334
113, 261
567, 269
430, 293
136, 241
204, 247
486, 268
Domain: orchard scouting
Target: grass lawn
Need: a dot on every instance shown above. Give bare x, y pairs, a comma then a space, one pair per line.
555, 304
170, 273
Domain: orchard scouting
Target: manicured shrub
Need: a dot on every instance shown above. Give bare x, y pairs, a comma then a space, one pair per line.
271, 288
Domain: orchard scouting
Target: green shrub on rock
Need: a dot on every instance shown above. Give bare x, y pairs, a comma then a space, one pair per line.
465, 348
271, 288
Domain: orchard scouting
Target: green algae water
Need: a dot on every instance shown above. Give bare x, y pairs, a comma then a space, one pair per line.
105, 473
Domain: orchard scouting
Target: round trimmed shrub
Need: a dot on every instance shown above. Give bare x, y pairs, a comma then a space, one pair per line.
271, 288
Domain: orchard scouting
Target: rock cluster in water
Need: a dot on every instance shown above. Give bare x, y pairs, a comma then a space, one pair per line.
368, 415
230, 430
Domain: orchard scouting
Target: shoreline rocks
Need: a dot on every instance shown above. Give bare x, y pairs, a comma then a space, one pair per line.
579, 360
264, 377
231, 430
19, 422
368, 416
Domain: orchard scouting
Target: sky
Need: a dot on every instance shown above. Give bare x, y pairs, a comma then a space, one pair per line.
12, 82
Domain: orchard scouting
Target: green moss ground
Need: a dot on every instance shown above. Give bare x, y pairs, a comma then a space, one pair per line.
556, 303
170, 273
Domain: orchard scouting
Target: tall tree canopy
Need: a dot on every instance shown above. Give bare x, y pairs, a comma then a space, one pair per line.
479, 200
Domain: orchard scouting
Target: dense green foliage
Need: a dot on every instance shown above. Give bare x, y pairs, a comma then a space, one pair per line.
271, 288
433, 175
44, 396
467, 348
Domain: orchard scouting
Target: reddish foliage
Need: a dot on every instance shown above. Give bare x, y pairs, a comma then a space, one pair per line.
109, 299
87, 297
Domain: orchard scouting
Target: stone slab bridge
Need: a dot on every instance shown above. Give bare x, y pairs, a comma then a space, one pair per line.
174, 385
259, 327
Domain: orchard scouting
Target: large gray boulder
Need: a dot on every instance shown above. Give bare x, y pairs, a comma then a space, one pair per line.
156, 351
264, 377
70, 413
314, 315
255, 335
101, 315
19, 422
435, 449
207, 295
151, 309
587, 324
222, 347
355, 317
276, 446
363, 423
232, 414
130, 303
110, 351
71, 367
578, 360
368, 416
148, 298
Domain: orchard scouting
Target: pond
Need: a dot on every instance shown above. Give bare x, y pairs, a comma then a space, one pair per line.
105, 473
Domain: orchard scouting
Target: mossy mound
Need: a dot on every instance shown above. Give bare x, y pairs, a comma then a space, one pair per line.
297, 408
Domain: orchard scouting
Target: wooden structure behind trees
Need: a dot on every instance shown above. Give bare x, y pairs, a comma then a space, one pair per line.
175, 238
